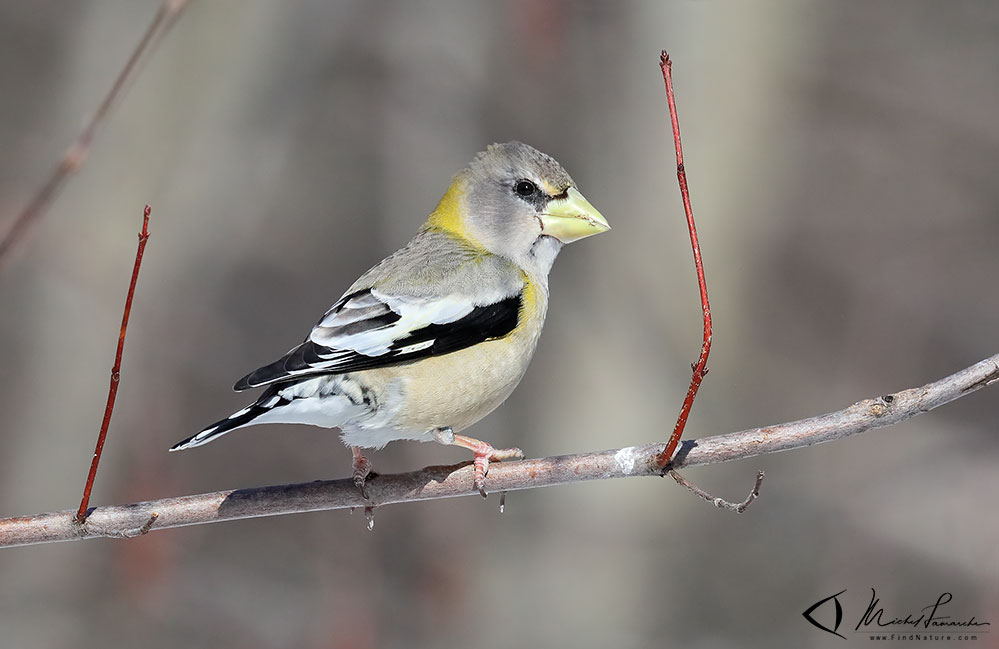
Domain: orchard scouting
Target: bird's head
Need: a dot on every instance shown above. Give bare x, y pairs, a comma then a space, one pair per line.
514, 200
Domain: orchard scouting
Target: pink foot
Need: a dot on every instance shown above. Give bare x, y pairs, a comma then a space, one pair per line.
483, 453
361, 470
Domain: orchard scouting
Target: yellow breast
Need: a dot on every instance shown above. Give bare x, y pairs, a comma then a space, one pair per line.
460, 388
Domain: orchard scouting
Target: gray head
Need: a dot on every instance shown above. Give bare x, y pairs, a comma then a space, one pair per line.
518, 202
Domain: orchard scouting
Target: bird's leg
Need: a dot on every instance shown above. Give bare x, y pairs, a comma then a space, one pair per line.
362, 468
483, 453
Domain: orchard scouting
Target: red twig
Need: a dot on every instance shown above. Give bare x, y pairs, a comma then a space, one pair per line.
701, 367
71, 161
81, 514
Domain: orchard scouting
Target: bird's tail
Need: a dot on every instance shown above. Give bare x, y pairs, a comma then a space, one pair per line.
248, 415
313, 401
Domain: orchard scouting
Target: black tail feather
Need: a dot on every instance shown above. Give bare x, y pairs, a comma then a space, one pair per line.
223, 426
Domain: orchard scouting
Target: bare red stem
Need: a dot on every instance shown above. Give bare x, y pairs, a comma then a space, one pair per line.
701, 367
71, 161
81, 514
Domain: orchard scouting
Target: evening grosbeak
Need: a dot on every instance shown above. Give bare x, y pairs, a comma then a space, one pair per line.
439, 333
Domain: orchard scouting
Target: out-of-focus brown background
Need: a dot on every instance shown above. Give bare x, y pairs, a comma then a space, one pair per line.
842, 160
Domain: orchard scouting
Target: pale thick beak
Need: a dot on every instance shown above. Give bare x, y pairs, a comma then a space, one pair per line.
572, 218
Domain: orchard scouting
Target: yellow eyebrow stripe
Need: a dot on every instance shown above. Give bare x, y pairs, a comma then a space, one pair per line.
549, 189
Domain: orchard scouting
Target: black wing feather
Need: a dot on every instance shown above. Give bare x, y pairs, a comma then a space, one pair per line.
481, 324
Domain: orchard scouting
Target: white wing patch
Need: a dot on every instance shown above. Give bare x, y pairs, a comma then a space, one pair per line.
409, 349
372, 322
372, 328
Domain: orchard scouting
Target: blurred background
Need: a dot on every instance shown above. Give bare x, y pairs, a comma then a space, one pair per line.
842, 160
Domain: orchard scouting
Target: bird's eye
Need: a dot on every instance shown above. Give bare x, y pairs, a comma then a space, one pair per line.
526, 188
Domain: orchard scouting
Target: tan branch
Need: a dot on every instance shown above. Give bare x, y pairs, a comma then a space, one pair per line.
450, 481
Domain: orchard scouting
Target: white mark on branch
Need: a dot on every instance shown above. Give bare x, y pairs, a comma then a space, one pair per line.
626, 458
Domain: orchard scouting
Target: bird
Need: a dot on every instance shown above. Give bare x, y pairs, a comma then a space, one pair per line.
439, 333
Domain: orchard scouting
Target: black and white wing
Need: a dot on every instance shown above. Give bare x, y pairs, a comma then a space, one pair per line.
371, 328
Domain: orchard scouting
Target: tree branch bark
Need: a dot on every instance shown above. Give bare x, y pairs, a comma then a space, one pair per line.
123, 521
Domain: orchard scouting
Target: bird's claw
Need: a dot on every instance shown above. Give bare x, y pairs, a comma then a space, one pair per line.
361, 471
485, 453
359, 481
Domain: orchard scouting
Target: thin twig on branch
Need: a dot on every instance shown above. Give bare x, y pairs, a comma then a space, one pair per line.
81, 513
700, 368
720, 503
165, 18
457, 480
